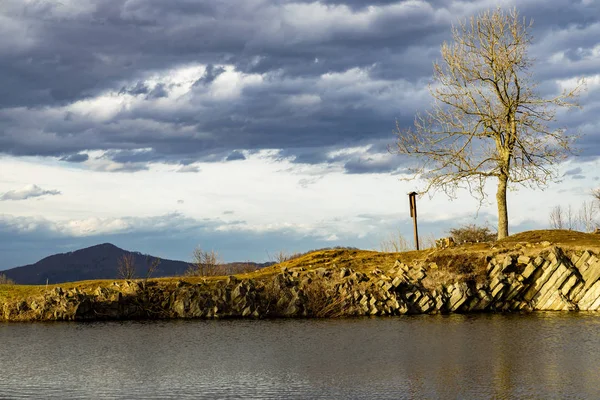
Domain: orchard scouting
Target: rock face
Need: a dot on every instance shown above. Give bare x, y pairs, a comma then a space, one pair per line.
550, 280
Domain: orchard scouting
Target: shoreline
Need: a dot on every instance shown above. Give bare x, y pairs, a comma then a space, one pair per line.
546, 279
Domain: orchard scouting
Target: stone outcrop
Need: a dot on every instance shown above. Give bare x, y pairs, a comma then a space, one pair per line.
550, 280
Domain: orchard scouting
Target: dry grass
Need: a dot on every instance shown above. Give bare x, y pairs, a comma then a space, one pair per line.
395, 243
570, 240
447, 267
453, 264
323, 300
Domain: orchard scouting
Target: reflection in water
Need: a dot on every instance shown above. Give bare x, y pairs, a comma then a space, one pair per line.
538, 355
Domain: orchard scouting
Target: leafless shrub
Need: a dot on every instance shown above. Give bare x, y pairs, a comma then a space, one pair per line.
471, 233
323, 299
395, 243
126, 266
5, 280
206, 263
282, 256
319, 296
152, 264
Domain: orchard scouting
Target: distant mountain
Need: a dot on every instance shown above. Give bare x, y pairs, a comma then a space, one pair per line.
97, 262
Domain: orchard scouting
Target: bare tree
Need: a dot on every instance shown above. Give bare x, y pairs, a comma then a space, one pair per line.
126, 266
152, 266
557, 218
596, 194
587, 216
571, 219
487, 120
206, 263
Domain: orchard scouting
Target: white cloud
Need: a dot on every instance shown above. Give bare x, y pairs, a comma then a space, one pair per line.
28, 192
189, 168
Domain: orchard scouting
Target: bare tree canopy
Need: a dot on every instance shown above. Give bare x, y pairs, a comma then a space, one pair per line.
487, 119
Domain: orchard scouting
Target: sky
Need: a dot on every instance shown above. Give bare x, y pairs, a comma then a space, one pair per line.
250, 127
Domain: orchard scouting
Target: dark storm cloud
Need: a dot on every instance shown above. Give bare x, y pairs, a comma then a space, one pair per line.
158, 92
370, 166
139, 88
75, 158
367, 158
210, 74
235, 155
305, 77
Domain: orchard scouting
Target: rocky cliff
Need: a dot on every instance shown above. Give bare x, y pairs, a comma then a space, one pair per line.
550, 279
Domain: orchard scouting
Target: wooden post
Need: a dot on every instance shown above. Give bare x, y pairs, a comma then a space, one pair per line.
412, 199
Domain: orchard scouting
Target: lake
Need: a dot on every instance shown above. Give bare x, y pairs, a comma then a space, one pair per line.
541, 355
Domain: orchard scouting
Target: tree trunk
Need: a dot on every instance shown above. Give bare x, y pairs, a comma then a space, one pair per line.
502, 207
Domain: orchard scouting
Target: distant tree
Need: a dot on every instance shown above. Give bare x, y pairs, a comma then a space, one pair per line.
487, 119
126, 266
206, 263
587, 216
557, 218
571, 218
5, 280
564, 218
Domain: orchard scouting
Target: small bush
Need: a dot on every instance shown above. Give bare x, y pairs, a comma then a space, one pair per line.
472, 233
5, 280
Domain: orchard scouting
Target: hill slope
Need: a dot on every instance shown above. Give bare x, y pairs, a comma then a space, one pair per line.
96, 262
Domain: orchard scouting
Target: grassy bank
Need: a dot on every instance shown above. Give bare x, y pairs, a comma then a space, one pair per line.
443, 266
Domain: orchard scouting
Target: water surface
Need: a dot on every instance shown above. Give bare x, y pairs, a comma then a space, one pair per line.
541, 355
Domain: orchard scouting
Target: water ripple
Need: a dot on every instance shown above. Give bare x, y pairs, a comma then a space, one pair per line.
543, 355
